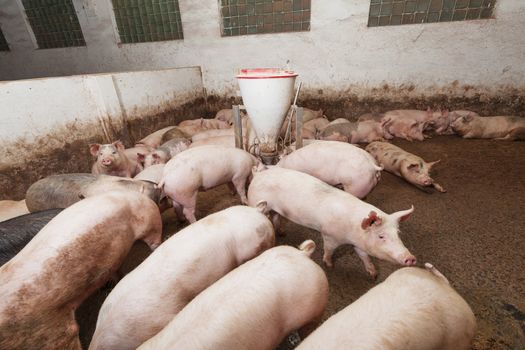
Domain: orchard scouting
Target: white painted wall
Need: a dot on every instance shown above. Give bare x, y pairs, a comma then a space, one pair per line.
32, 109
339, 53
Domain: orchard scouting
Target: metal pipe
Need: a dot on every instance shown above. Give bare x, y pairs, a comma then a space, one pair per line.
298, 127
237, 126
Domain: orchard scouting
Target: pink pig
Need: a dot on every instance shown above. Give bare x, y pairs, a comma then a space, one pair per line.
404, 164
218, 244
202, 168
336, 163
111, 160
72, 256
413, 309
339, 216
253, 307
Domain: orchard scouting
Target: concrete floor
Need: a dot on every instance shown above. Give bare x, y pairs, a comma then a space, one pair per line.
474, 234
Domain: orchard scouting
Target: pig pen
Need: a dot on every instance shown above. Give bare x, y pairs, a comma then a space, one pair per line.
473, 234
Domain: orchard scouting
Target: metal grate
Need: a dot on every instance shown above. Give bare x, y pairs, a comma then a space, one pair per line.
394, 12
3, 43
241, 17
141, 21
54, 23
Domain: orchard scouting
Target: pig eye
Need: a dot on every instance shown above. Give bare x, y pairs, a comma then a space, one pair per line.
381, 236
114, 152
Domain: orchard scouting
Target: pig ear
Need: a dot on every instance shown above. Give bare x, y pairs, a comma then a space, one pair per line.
141, 157
403, 214
469, 117
94, 148
119, 145
308, 247
261, 206
372, 219
413, 166
431, 164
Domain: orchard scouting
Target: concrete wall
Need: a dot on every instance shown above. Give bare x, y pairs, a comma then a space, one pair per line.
340, 53
47, 124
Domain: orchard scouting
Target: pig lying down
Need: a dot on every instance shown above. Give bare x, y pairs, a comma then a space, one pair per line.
201, 168
340, 217
497, 128
148, 298
403, 164
61, 191
253, 307
413, 309
111, 160
72, 256
336, 163
11, 209
17, 232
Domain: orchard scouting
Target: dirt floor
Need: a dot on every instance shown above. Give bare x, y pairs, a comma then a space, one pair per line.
474, 234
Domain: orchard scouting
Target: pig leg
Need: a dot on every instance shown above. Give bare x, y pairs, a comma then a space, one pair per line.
188, 205
232, 188
329, 245
240, 186
276, 221
178, 211
369, 265
439, 187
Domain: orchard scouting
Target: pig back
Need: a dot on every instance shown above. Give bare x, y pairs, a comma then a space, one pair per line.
77, 250
260, 303
17, 232
57, 191
412, 309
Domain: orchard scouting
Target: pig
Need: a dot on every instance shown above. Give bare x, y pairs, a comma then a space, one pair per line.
253, 307
202, 168
404, 164
72, 256
174, 133
453, 115
224, 141
371, 127
15, 233
154, 140
413, 309
11, 209
159, 156
111, 160
226, 115
502, 128
61, 191
134, 153
217, 244
339, 216
410, 123
313, 127
212, 133
152, 173
339, 130
336, 163
205, 123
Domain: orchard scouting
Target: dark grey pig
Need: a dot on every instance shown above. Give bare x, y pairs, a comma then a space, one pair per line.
17, 232
61, 191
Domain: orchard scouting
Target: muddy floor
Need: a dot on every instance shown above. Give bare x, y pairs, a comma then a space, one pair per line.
474, 234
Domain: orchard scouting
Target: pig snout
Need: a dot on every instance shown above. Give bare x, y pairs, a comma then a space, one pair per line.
106, 162
408, 260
